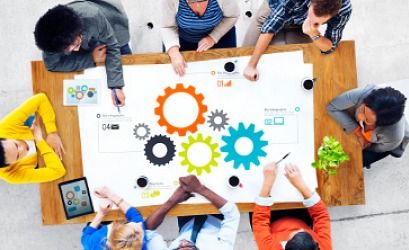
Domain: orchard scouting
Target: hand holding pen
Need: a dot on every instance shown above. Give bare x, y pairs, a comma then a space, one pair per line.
118, 98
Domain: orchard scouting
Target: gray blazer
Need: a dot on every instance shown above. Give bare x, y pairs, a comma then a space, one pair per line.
105, 22
344, 109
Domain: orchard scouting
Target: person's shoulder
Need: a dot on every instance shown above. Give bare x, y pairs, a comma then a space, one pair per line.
346, 8
394, 132
84, 9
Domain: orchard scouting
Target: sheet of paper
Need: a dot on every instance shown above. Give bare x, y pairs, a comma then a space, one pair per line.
212, 123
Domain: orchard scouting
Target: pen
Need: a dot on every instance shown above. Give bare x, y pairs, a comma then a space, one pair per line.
285, 156
117, 101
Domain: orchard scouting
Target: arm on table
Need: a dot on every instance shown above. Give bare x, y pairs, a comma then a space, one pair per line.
89, 238
316, 207
157, 217
113, 62
262, 211
338, 107
38, 103
228, 231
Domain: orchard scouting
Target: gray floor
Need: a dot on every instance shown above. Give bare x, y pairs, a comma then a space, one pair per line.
382, 48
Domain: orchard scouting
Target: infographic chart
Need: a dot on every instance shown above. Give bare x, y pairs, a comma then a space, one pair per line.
212, 123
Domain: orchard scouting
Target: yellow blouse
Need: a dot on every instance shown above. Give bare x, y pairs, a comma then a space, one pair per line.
12, 127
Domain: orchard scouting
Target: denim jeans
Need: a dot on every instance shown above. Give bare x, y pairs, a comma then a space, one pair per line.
126, 50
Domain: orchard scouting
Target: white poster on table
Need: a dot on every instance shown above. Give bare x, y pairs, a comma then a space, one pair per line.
212, 123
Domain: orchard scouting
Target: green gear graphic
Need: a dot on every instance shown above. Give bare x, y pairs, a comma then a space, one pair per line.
199, 139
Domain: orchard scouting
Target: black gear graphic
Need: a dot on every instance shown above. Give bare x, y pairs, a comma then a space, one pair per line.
223, 120
170, 146
141, 137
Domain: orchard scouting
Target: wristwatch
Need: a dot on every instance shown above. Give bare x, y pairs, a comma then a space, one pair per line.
317, 37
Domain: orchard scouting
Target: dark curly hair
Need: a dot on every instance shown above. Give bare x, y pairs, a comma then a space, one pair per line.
326, 7
2, 155
388, 105
57, 29
302, 241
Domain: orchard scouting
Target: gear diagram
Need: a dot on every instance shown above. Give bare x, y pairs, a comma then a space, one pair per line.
218, 120
141, 131
213, 147
237, 158
190, 90
170, 150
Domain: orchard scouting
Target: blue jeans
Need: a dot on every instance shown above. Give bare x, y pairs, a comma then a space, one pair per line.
229, 40
126, 50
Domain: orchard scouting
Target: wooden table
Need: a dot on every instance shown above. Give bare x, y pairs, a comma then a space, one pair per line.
335, 74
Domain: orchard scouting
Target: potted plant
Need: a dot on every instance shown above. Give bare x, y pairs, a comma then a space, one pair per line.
330, 155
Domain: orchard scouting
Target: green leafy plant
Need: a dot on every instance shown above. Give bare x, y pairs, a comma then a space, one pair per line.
330, 155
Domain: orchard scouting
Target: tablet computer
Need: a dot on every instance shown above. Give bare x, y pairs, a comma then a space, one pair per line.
76, 198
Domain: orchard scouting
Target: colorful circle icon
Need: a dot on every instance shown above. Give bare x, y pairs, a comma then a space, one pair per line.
79, 95
71, 90
76, 201
297, 109
70, 195
84, 88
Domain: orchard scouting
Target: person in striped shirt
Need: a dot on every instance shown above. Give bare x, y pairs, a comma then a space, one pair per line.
197, 25
295, 21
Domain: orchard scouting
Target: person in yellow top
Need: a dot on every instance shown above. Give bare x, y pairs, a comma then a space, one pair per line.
20, 143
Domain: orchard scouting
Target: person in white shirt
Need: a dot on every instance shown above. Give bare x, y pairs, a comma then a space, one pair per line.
198, 232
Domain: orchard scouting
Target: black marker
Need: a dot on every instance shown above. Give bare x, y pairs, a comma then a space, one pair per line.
285, 156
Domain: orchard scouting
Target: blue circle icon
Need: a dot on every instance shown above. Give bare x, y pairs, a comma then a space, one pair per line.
297, 109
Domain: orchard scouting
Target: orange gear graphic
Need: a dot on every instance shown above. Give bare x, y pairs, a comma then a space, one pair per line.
190, 90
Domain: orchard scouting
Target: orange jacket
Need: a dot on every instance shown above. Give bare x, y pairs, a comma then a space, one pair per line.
269, 237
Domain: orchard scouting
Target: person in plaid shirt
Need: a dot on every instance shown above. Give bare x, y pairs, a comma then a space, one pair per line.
295, 21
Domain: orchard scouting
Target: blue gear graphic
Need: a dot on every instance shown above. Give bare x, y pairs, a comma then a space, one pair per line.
233, 155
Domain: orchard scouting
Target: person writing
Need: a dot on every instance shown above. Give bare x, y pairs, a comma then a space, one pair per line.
82, 34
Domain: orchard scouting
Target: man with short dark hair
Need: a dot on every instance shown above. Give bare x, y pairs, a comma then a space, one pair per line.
81, 34
204, 232
295, 21
376, 117
290, 231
